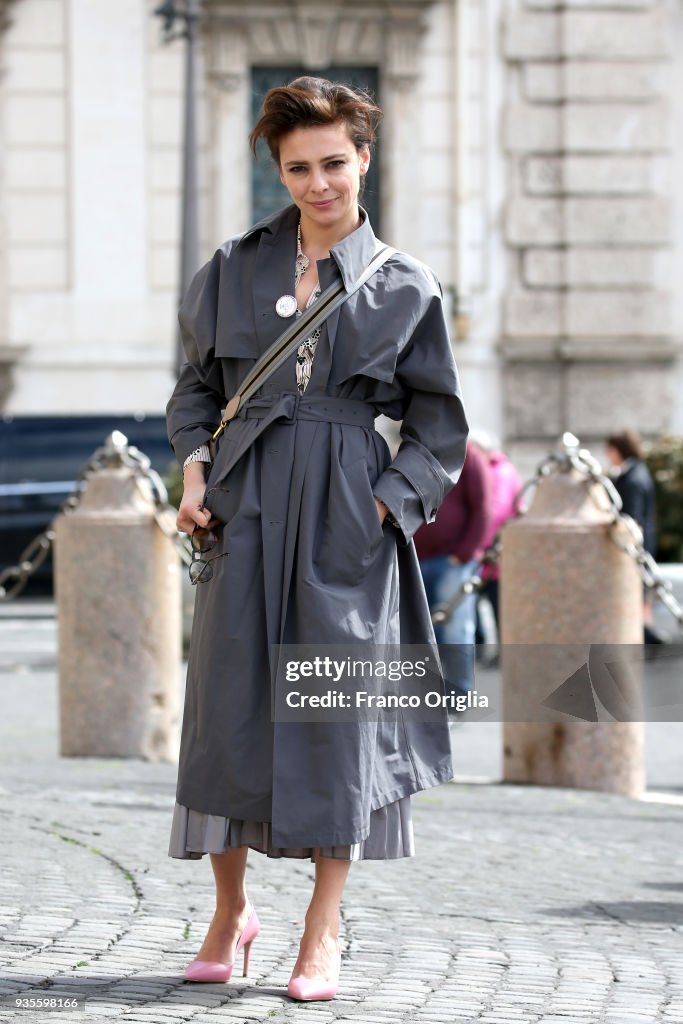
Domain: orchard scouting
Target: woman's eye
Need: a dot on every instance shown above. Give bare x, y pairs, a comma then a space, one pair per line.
295, 170
336, 163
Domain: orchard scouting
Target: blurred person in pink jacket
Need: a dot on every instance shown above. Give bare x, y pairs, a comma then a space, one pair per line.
449, 549
506, 484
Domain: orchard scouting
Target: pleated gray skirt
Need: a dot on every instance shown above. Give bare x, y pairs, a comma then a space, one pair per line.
194, 834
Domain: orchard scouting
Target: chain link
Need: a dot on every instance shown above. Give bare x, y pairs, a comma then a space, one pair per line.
114, 452
623, 530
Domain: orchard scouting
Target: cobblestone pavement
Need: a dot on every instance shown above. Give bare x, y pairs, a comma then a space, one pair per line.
523, 905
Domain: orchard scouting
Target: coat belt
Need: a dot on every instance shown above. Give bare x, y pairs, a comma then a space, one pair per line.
290, 406
285, 407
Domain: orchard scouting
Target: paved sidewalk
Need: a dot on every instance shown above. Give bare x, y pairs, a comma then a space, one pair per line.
524, 905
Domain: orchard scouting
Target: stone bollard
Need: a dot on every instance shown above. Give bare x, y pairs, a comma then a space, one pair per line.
117, 589
564, 587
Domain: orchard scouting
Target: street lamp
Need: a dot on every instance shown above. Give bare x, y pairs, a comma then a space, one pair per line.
188, 14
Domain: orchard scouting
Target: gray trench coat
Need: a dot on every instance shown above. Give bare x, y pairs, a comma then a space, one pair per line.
302, 557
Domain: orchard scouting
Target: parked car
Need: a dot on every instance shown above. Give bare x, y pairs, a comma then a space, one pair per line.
41, 458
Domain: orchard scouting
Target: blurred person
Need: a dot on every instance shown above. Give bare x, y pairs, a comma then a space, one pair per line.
449, 550
635, 486
506, 486
304, 526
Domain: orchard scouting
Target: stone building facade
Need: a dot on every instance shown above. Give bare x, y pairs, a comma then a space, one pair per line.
591, 226
528, 154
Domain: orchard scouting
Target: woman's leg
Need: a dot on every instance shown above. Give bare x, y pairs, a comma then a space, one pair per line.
318, 947
232, 906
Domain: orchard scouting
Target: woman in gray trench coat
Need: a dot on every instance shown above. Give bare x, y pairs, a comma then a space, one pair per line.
306, 526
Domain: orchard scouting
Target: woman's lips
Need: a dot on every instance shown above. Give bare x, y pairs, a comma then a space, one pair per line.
323, 203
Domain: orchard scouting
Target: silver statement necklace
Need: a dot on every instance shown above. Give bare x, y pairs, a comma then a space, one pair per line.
286, 305
302, 260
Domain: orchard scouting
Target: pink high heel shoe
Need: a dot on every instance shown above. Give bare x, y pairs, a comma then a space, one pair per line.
215, 970
308, 989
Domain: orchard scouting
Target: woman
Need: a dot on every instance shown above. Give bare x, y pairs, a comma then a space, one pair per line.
299, 549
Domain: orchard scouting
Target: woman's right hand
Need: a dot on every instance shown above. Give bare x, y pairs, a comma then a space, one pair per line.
192, 511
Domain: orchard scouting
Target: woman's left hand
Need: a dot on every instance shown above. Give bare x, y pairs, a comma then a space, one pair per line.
381, 510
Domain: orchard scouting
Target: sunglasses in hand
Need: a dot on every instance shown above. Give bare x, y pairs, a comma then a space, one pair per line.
202, 539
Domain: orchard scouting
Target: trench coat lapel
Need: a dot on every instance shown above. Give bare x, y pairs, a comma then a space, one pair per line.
327, 275
349, 258
273, 277
274, 272
354, 252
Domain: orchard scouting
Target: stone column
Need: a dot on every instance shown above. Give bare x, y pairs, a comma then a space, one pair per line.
117, 588
588, 338
401, 153
229, 116
107, 127
570, 596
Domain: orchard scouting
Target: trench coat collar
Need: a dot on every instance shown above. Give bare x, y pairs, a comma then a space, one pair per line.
352, 254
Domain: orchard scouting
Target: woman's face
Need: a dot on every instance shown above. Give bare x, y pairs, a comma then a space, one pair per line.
321, 169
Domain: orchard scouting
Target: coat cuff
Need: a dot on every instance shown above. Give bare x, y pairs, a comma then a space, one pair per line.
389, 517
201, 454
187, 439
412, 490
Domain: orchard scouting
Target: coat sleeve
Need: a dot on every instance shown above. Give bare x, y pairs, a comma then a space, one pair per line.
194, 409
434, 427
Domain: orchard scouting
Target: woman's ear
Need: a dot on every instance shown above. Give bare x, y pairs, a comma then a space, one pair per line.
364, 160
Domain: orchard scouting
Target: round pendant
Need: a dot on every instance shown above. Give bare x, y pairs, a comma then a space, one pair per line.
285, 305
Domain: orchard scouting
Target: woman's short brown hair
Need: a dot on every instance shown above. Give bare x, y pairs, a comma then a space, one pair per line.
307, 102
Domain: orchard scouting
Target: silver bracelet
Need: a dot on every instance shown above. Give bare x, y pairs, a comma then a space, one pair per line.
200, 454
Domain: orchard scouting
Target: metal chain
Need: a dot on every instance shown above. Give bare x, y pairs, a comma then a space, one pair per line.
580, 459
117, 452
114, 452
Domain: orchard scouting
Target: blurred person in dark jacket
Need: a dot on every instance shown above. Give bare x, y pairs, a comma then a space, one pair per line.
449, 549
635, 486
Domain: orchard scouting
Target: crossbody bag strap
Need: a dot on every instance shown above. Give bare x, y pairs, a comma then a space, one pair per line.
330, 300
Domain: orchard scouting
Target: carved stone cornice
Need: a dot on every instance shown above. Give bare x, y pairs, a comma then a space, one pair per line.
314, 35
404, 27
318, 34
